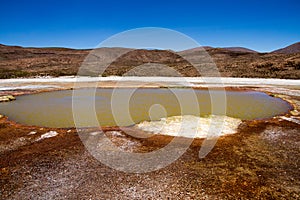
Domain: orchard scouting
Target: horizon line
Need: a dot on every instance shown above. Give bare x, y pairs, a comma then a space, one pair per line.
91, 48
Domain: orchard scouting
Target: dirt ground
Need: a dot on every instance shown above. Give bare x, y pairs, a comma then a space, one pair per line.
261, 161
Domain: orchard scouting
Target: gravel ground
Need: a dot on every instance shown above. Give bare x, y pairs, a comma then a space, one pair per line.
261, 161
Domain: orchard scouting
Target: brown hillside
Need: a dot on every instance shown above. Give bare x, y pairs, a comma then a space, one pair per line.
26, 62
294, 48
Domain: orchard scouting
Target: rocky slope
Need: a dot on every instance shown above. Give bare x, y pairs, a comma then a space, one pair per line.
294, 48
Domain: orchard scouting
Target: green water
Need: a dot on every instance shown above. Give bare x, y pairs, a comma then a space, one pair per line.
54, 109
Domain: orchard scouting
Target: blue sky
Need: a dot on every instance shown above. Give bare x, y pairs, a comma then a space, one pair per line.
260, 25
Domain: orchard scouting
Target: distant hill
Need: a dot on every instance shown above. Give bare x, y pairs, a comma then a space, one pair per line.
197, 49
240, 49
231, 62
233, 49
294, 48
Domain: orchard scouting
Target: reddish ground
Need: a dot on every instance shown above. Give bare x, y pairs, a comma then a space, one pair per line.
260, 161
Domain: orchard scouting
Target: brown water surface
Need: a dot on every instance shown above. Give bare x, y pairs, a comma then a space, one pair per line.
54, 109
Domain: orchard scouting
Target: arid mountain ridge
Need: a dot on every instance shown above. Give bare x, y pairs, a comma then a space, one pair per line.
18, 61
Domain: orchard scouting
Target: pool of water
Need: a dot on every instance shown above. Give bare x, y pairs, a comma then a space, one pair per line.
54, 109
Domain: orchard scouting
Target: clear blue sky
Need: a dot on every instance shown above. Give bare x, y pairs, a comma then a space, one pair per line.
262, 25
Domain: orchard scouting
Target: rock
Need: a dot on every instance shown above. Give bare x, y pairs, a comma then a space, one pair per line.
10, 97
4, 99
295, 112
7, 98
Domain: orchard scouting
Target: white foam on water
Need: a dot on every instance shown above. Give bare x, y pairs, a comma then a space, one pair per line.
192, 126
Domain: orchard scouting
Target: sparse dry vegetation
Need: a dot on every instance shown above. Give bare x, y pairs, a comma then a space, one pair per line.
27, 62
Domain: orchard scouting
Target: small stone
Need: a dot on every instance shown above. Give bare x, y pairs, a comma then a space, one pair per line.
4, 99
7, 98
10, 97
32, 133
95, 133
295, 112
